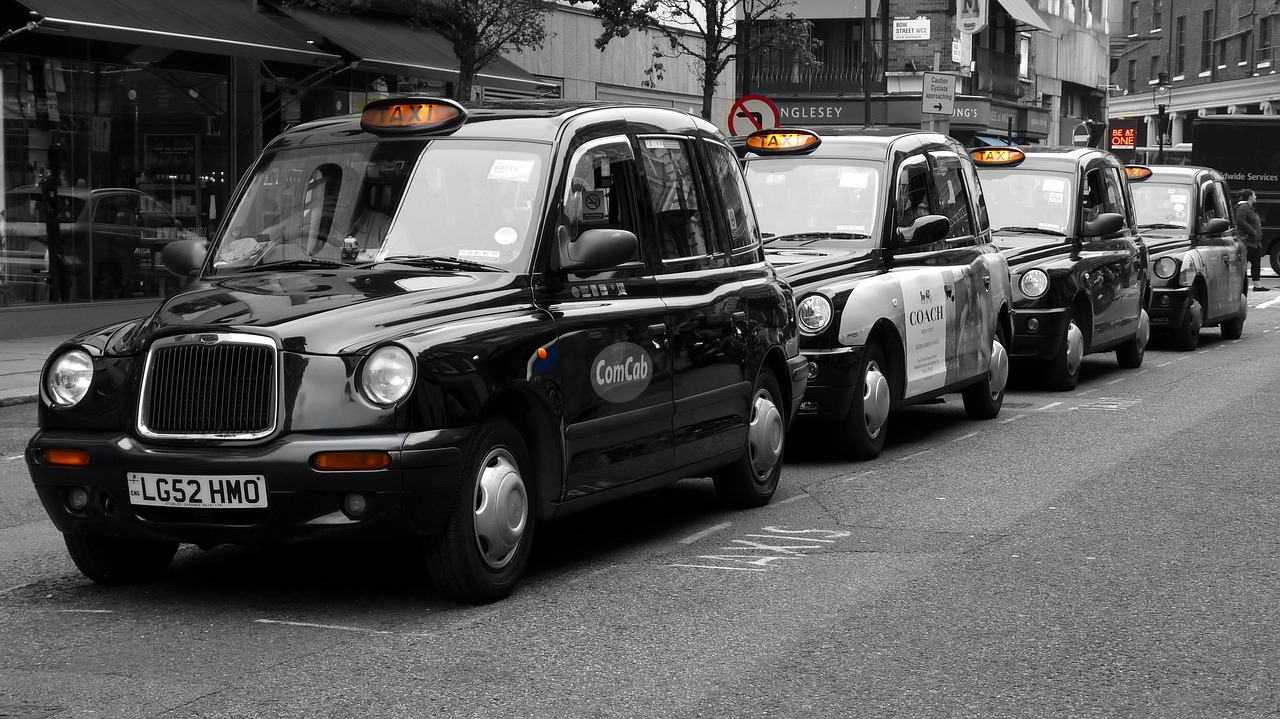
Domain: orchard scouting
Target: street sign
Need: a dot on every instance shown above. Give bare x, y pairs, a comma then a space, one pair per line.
1080, 135
938, 95
905, 28
750, 113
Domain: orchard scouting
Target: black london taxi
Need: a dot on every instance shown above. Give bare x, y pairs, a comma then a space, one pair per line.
1198, 267
902, 298
436, 322
1063, 216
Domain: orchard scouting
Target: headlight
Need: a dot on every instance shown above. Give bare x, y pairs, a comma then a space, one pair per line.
1166, 267
815, 313
69, 377
1034, 283
387, 375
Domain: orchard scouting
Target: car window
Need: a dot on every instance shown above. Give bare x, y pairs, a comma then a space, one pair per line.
739, 218
673, 194
979, 198
1028, 198
912, 197
1102, 193
592, 199
117, 210
1161, 204
796, 195
1214, 204
952, 196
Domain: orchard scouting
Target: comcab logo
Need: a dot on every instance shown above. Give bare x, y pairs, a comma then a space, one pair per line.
621, 372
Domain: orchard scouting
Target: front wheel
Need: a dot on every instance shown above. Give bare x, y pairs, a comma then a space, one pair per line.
984, 399
106, 560
862, 433
751, 480
484, 549
1130, 354
1188, 335
1063, 371
1234, 328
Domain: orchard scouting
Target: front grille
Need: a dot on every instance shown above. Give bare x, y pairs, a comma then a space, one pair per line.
209, 386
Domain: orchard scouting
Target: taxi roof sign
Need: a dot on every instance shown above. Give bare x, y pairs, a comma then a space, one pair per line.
411, 115
997, 156
777, 141
1137, 173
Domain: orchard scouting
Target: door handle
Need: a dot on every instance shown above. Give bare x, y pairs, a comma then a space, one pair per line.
986, 281
658, 330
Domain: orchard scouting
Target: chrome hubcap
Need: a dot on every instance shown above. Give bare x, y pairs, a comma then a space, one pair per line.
765, 436
998, 374
1075, 347
875, 399
1144, 330
501, 508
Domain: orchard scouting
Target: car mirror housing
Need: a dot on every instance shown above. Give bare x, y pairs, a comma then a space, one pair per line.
1215, 225
184, 257
595, 250
1107, 223
924, 230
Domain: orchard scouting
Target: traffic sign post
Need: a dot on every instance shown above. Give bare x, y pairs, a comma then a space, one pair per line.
1080, 135
938, 95
752, 112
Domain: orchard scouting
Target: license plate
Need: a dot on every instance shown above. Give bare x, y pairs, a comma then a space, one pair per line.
247, 491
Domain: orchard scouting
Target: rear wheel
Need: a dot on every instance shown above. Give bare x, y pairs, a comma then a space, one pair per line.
1188, 335
108, 560
1130, 354
485, 547
862, 433
1063, 371
1234, 328
984, 399
751, 480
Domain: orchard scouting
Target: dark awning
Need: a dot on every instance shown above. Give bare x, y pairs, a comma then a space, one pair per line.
223, 27
990, 141
1022, 11
390, 45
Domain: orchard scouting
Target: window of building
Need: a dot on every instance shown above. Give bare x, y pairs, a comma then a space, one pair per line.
1131, 84
1264, 38
1180, 46
1024, 56
1206, 41
1155, 67
1157, 14
1133, 18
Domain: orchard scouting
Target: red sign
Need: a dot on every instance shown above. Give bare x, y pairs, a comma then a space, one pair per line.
1124, 138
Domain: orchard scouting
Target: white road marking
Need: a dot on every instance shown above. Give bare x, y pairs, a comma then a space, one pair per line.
709, 566
967, 436
336, 627
1268, 303
1048, 406
1165, 364
1084, 392
1014, 418
1204, 352
1116, 381
88, 611
913, 456
706, 532
10, 459
789, 500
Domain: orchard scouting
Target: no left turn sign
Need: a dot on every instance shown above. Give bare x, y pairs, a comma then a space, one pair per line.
752, 112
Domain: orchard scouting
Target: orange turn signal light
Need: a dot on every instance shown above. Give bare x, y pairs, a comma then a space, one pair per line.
1137, 173
995, 156
350, 461
408, 115
65, 457
778, 141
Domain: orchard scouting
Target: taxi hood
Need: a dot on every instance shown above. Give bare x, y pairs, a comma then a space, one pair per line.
326, 312
805, 266
1030, 252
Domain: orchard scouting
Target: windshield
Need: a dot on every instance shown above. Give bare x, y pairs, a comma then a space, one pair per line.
471, 200
1025, 201
805, 195
1161, 204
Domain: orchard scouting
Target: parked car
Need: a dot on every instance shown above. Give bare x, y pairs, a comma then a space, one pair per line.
883, 233
109, 237
435, 322
1063, 216
1198, 267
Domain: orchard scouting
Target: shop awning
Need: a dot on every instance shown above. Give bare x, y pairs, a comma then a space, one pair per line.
1022, 11
989, 141
393, 46
224, 27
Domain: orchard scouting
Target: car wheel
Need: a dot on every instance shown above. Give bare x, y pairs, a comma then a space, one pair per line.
1232, 329
107, 560
751, 480
1130, 354
1063, 371
485, 546
1274, 255
862, 433
1188, 335
984, 399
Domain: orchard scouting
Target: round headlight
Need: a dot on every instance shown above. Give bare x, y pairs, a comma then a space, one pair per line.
1034, 283
68, 378
814, 313
387, 375
1166, 267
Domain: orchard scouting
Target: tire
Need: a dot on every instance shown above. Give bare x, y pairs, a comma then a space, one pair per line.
1063, 372
862, 433
107, 560
1273, 253
1187, 336
1233, 329
984, 399
485, 546
1130, 354
751, 480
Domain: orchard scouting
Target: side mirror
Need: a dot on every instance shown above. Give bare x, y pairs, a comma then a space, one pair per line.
924, 230
184, 257
1107, 223
1215, 226
595, 250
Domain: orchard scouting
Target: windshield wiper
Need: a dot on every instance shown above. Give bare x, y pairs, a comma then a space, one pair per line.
310, 263
440, 261
1037, 230
817, 236
1161, 226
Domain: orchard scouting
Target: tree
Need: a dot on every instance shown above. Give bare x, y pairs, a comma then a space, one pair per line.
477, 30
771, 29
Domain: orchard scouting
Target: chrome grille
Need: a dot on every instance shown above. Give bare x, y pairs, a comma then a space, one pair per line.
209, 386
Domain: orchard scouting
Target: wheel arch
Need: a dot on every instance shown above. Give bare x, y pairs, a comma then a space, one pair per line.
886, 334
1084, 310
529, 414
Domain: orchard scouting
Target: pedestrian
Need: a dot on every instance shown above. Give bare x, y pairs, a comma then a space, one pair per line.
1250, 228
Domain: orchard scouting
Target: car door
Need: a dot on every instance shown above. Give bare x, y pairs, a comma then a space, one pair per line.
613, 344
968, 339
1113, 263
703, 296
1223, 266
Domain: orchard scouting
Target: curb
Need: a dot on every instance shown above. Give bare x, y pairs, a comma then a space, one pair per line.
20, 399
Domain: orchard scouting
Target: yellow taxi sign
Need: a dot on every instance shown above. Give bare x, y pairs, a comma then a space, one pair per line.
997, 156
408, 115
777, 141
1137, 173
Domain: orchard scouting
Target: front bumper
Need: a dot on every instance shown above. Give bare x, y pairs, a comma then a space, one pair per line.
412, 497
1169, 307
1043, 342
832, 382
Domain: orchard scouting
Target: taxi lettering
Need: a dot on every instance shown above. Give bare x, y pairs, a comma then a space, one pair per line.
621, 372
921, 317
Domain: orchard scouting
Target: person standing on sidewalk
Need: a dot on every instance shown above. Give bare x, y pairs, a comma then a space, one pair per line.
1250, 228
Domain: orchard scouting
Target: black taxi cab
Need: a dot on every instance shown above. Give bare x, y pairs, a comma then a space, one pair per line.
902, 298
1198, 267
1063, 216
438, 322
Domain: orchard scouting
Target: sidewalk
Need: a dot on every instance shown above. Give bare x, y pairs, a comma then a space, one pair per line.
20, 364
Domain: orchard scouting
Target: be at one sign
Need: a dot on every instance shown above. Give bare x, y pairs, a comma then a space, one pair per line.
938, 94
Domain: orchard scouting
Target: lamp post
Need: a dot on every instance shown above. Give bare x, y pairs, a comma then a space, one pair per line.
1162, 106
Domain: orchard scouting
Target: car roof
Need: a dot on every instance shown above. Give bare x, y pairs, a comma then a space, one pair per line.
1055, 157
1181, 172
858, 142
